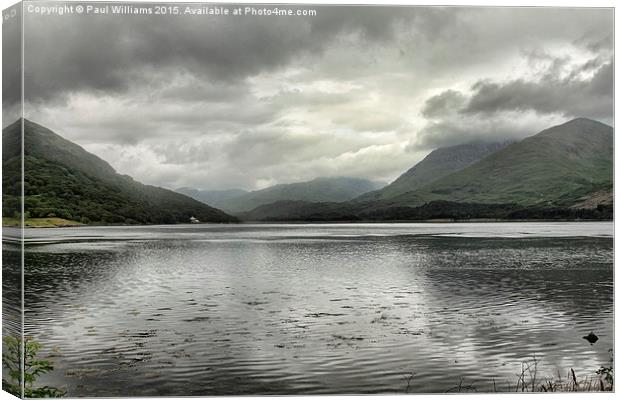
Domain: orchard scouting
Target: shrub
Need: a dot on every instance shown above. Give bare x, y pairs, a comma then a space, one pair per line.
33, 368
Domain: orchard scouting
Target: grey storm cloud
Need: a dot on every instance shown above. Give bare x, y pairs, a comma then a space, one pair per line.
132, 119
223, 102
443, 103
11, 65
452, 131
510, 110
114, 52
570, 96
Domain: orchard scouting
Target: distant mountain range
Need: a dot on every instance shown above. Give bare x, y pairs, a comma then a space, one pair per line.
337, 189
564, 172
215, 198
63, 180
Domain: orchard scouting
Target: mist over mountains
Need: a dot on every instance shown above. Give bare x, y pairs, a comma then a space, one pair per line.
554, 167
565, 171
552, 174
436, 165
216, 198
318, 190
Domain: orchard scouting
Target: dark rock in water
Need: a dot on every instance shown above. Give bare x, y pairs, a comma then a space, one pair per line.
591, 338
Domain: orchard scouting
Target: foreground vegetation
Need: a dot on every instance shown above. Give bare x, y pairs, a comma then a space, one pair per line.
529, 380
34, 367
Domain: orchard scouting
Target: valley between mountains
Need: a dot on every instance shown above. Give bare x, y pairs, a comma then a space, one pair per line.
564, 172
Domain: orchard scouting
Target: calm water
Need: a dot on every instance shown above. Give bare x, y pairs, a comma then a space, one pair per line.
286, 309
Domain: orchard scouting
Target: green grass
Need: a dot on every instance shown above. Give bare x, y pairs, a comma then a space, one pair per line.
40, 222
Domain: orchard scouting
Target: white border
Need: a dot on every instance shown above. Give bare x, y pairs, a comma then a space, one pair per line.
510, 3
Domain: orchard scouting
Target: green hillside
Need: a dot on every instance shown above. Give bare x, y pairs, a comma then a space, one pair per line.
438, 164
317, 190
564, 172
291, 210
65, 181
558, 166
299, 211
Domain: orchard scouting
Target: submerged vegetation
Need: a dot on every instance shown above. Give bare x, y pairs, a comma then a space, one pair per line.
33, 368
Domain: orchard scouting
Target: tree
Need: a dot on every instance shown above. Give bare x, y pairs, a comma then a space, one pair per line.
33, 368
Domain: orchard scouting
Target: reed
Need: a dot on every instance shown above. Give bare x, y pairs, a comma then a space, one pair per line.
529, 380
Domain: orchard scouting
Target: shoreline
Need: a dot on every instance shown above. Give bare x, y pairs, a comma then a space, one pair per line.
357, 222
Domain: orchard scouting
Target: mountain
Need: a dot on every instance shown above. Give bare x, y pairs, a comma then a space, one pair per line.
317, 190
438, 164
555, 167
296, 210
215, 198
564, 172
354, 211
64, 180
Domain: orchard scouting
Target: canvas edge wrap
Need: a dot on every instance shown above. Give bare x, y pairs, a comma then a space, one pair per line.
13, 198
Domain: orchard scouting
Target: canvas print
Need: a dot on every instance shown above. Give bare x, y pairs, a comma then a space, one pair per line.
287, 199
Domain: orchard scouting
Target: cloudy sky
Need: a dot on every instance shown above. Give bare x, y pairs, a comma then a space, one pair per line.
246, 102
